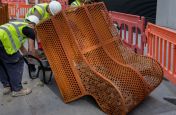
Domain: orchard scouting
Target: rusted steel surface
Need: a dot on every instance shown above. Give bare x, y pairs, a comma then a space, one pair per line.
149, 68
73, 75
88, 58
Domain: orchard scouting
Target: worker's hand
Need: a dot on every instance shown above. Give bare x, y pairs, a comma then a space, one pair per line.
33, 53
23, 50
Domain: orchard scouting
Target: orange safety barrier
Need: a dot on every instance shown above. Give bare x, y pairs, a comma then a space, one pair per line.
7, 1
88, 58
132, 30
39, 1
162, 47
22, 10
18, 10
44, 1
12, 10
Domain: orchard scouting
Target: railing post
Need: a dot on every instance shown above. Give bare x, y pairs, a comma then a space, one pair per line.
130, 35
156, 47
161, 52
27, 1
153, 46
169, 56
165, 47
174, 62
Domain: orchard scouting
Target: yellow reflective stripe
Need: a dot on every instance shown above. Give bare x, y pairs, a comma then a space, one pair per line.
18, 31
78, 2
43, 14
10, 37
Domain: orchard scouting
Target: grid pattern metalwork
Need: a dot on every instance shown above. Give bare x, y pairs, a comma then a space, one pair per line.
149, 68
87, 58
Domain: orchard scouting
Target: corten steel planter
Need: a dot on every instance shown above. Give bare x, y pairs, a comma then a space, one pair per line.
4, 18
75, 46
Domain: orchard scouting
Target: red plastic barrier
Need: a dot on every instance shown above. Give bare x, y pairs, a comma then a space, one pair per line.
18, 10
7, 1
64, 3
132, 30
12, 10
22, 10
162, 47
45, 1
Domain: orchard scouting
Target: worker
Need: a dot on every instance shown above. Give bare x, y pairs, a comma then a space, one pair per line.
44, 10
80, 2
12, 37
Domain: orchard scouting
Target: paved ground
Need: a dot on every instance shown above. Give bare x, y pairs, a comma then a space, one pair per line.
46, 100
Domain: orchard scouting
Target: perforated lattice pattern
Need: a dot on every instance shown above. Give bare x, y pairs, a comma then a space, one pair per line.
133, 92
127, 80
88, 58
149, 68
86, 40
108, 97
92, 82
95, 85
58, 60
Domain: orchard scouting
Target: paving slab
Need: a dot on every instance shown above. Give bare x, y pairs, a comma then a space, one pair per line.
47, 100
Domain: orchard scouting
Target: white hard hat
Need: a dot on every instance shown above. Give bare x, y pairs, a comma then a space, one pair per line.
55, 7
33, 19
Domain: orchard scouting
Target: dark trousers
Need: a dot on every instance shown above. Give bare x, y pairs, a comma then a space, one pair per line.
11, 69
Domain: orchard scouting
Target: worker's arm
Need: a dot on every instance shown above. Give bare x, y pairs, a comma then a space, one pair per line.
23, 50
31, 47
29, 32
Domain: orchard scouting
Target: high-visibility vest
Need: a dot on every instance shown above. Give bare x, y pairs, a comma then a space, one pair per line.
76, 3
12, 37
42, 10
